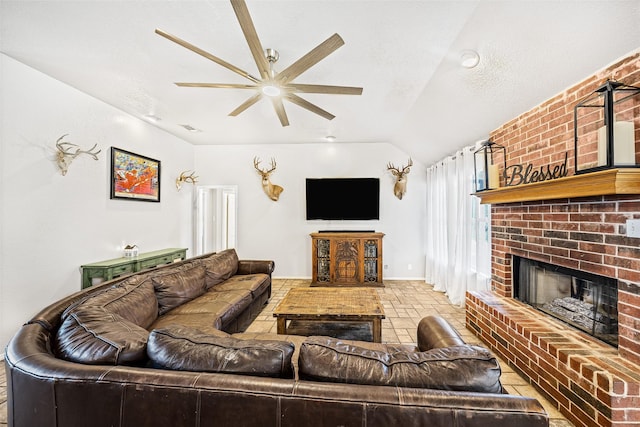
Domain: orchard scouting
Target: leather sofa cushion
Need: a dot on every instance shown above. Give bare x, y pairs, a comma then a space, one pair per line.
255, 283
93, 335
223, 305
203, 322
220, 266
133, 298
179, 285
459, 368
295, 340
180, 348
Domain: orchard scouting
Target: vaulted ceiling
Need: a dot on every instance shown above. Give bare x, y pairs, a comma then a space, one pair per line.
404, 54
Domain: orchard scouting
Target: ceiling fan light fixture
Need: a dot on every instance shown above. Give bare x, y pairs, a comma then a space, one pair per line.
279, 86
271, 90
469, 58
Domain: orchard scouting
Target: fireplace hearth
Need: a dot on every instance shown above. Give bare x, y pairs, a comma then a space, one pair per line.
582, 300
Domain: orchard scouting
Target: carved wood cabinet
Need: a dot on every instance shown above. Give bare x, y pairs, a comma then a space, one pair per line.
346, 259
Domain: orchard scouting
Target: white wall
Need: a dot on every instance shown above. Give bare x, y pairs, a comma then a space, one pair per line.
279, 230
51, 224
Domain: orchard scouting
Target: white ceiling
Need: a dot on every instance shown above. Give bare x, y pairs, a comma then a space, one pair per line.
405, 54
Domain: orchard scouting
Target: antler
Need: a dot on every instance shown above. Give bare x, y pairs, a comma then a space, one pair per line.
186, 178
60, 146
89, 152
397, 171
64, 152
406, 168
256, 163
65, 156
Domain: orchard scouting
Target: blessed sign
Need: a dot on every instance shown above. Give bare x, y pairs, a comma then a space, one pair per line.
520, 174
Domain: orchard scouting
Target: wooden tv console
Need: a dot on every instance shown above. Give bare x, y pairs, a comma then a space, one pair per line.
346, 258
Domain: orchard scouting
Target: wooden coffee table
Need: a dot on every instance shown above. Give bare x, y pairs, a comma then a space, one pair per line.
331, 305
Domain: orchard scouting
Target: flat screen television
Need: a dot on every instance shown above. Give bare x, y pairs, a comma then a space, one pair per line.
343, 198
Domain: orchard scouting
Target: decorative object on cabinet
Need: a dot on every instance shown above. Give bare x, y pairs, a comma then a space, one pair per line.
65, 156
400, 187
271, 190
485, 165
346, 258
113, 268
186, 178
134, 177
605, 128
130, 251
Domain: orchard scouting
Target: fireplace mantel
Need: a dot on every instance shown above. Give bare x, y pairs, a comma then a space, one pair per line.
601, 183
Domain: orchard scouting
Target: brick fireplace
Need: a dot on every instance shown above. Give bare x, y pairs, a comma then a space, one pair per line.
593, 383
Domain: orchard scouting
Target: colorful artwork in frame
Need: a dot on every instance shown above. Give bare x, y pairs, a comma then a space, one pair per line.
134, 177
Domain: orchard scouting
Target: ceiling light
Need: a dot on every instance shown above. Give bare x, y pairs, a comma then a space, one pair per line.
469, 58
330, 138
152, 118
190, 128
271, 90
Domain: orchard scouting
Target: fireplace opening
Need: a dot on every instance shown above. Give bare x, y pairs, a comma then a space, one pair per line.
583, 300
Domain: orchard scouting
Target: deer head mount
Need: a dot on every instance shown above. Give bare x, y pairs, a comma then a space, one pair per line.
271, 190
65, 155
186, 178
400, 186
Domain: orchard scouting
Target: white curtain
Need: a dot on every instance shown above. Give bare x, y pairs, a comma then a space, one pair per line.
458, 248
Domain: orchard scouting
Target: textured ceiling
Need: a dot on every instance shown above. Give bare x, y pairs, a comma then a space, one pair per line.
405, 54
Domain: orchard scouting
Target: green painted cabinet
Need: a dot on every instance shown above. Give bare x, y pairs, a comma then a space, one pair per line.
113, 268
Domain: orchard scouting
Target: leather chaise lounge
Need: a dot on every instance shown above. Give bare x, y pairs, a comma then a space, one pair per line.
166, 347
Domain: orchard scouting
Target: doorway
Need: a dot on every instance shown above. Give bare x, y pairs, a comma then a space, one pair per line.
215, 216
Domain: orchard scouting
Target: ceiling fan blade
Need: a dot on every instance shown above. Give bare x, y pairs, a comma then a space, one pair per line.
242, 13
337, 90
279, 107
207, 55
309, 106
246, 104
217, 85
316, 55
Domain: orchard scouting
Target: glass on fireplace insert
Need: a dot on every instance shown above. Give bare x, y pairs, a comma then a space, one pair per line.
583, 300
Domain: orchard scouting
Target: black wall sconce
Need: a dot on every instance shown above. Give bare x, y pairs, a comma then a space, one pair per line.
606, 127
485, 165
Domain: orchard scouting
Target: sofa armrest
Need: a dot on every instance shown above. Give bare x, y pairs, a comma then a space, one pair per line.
436, 332
255, 266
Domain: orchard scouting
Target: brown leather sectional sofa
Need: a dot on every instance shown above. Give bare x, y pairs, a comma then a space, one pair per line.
166, 348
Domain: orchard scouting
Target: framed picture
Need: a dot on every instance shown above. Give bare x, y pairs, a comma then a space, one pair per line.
134, 177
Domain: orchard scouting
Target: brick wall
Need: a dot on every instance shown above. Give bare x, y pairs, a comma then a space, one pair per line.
594, 384
585, 234
544, 134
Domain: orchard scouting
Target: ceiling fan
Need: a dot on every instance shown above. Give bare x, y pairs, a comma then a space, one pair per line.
277, 86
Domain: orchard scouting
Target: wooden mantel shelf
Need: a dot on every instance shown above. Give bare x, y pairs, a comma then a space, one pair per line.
601, 183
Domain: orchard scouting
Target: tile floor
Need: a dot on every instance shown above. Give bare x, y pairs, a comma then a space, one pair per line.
405, 303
